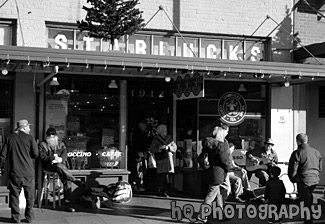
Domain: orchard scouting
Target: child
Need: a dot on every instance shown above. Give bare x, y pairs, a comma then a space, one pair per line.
274, 190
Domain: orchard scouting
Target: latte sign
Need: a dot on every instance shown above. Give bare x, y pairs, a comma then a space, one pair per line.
232, 108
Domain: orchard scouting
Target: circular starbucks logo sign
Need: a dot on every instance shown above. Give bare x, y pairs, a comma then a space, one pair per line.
232, 108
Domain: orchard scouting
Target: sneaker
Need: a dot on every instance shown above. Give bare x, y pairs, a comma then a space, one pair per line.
12, 220
237, 199
70, 209
201, 220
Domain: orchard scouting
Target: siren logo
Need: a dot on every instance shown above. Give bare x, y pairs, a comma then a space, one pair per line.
232, 108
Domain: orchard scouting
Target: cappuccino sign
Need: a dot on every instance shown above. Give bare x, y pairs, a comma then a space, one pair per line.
232, 108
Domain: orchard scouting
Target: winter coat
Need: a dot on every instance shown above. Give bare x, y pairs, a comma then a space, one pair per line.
20, 149
47, 153
164, 157
275, 191
219, 159
305, 165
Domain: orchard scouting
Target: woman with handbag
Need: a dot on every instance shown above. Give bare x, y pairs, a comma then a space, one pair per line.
163, 147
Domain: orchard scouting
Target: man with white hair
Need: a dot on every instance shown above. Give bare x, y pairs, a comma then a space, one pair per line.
305, 164
19, 150
53, 155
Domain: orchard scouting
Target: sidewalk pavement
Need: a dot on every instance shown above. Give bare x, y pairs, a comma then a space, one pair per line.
143, 209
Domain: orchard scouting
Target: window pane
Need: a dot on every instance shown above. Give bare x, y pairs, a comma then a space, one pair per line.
186, 49
86, 119
60, 39
5, 35
233, 50
254, 51
120, 43
86, 43
139, 44
164, 46
251, 130
211, 49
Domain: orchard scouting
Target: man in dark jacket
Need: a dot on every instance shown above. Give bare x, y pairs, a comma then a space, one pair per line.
305, 164
20, 148
260, 160
219, 160
53, 155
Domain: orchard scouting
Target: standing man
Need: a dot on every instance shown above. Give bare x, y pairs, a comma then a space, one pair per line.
305, 164
53, 155
20, 149
259, 160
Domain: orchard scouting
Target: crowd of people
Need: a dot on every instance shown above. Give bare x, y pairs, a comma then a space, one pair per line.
226, 180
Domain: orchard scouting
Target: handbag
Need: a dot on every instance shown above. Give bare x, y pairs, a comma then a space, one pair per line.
203, 160
152, 161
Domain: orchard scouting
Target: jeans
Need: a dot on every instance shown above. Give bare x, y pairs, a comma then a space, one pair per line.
236, 184
305, 194
262, 176
65, 176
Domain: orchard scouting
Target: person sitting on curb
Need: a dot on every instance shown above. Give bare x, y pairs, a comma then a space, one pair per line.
238, 178
53, 155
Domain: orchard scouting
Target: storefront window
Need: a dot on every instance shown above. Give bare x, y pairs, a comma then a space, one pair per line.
254, 51
86, 43
139, 44
6, 112
5, 35
187, 48
251, 128
233, 50
164, 46
203, 114
211, 49
85, 113
60, 38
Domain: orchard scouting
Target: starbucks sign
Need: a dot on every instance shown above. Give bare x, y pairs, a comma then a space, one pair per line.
232, 108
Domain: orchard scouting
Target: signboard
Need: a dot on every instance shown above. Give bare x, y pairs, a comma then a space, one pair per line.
188, 86
163, 45
232, 108
56, 115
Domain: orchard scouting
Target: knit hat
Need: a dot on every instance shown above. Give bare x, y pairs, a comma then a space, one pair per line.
51, 131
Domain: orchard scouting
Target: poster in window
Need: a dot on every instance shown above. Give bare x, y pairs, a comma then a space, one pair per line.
56, 115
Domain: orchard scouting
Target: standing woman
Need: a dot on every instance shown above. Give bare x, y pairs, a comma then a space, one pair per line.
163, 148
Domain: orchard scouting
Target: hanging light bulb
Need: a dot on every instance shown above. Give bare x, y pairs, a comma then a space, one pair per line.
4, 71
113, 85
167, 79
287, 83
54, 82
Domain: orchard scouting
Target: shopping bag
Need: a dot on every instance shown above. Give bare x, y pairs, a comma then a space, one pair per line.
152, 161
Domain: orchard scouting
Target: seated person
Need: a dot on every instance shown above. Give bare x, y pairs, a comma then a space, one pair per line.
53, 155
259, 160
238, 178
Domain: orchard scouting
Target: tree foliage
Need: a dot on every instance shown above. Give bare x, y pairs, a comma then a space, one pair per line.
111, 19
